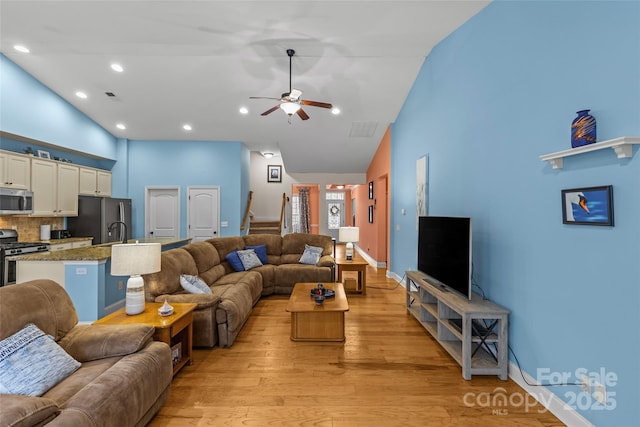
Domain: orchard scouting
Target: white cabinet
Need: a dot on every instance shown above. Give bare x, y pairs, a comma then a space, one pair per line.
53, 247
15, 171
55, 188
95, 182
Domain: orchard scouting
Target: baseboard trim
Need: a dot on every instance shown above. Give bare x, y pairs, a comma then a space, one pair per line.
372, 262
549, 400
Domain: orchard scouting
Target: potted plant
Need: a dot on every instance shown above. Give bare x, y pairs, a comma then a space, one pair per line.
29, 151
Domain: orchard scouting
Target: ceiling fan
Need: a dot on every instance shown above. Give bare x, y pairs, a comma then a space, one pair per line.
290, 102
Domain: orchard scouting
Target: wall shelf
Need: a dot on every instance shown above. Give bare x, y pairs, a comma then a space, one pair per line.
623, 147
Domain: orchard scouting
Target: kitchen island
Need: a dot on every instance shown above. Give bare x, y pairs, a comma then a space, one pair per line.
85, 274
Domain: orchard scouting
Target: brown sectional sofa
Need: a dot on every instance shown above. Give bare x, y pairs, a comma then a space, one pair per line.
124, 377
220, 316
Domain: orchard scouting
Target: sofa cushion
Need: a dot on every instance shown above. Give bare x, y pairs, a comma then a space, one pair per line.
31, 362
311, 255
194, 284
234, 261
261, 252
249, 259
26, 411
174, 262
91, 342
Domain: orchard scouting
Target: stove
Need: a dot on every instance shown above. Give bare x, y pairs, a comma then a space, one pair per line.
9, 248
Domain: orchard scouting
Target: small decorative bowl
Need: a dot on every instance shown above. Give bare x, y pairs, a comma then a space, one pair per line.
165, 309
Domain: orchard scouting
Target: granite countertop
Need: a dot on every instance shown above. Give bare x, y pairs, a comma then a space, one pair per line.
96, 252
67, 240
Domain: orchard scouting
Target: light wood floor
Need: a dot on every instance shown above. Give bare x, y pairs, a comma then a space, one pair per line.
389, 372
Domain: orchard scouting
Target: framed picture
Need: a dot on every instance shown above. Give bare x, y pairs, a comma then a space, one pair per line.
588, 206
44, 154
371, 190
370, 214
274, 173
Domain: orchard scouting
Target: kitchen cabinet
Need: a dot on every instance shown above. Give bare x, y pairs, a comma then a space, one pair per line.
95, 182
15, 170
55, 188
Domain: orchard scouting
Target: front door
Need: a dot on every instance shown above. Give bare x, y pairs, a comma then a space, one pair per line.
162, 213
203, 211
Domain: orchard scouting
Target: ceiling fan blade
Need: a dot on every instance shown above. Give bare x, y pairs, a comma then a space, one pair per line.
270, 110
302, 114
263, 97
316, 104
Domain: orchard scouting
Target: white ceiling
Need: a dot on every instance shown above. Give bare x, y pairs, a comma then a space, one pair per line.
198, 62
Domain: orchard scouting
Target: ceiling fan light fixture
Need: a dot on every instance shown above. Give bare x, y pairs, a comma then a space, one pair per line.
290, 108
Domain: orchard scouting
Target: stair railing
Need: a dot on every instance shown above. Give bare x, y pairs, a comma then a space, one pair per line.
282, 210
247, 211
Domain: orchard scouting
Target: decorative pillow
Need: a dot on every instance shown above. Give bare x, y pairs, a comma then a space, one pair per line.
261, 251
234, 260
249, 259
31, 362
194, 284
311, 255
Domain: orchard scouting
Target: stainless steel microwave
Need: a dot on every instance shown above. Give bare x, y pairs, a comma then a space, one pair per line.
13, 202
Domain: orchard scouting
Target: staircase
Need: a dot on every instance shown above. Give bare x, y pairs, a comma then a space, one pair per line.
264, 227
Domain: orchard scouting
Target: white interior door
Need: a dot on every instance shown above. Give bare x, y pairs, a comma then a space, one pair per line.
203, 212
162, 212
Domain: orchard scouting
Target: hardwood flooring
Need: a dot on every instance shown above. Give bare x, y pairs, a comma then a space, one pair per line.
388, 372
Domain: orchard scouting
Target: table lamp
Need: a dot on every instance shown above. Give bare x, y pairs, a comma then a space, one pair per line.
134, 260
349, 235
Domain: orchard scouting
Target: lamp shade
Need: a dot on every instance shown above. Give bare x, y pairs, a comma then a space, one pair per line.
349, 234
290, 107
134, 259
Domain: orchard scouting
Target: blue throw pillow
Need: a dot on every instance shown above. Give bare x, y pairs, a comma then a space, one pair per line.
31, 362
261, 251
234, 260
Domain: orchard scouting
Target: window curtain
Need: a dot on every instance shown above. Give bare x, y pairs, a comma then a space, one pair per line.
303, 199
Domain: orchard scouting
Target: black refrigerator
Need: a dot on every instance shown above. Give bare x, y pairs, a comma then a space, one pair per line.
98, 215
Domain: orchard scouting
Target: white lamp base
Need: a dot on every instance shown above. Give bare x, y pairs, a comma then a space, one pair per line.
134, 302
349, 251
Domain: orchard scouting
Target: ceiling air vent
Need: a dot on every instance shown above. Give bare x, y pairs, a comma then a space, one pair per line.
363, 129
110, 94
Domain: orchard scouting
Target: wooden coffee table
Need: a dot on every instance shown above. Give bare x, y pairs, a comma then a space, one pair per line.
313, 322
176, 330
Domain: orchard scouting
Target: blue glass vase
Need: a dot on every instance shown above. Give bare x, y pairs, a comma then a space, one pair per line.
583, 129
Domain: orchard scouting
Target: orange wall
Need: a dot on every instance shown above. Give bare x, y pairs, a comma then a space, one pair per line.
374, 238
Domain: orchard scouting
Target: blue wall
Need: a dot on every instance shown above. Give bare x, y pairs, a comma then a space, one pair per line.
189, 163
489, 100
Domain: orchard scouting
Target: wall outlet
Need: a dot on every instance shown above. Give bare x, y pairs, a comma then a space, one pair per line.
586, 383
600, 392
120, 286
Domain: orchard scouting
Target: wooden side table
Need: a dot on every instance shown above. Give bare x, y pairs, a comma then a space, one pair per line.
176, 330
357, 264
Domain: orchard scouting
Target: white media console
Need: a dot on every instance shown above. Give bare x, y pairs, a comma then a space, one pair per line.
474, 332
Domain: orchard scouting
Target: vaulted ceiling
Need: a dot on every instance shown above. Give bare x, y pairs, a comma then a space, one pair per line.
198, 62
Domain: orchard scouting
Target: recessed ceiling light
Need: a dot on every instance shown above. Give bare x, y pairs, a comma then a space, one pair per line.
267, 155
335, 110
121, 126
340, 187
244, 110
21, 48
117, 67
187, 127
81, 95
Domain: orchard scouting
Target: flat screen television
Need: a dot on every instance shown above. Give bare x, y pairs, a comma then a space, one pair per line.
444, 251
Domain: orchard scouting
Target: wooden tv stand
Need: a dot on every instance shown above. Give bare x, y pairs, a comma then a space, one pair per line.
460, 325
